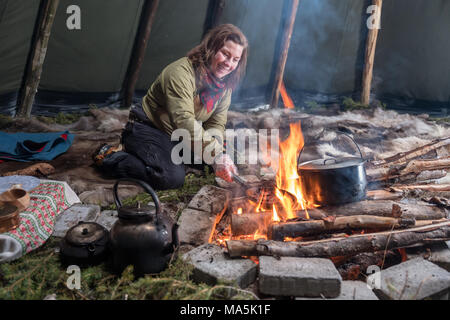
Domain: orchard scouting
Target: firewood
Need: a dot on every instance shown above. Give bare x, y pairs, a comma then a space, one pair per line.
249, 223
278, 231
369, 242
415, 167
384, 194
407, 156
424, 187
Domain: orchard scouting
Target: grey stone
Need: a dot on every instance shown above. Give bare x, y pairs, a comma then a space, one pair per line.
414, 279
71, 216
351, 290
196, 227
438, 253
210, 199
107, 218
212, 265
300, 277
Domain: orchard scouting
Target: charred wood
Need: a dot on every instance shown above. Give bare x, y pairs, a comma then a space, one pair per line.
342, 246
279, 231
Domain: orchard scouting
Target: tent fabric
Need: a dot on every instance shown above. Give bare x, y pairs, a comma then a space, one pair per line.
325, 59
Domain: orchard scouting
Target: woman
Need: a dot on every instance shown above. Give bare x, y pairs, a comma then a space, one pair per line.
193, 89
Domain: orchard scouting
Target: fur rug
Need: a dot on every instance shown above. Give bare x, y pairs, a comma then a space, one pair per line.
379, 134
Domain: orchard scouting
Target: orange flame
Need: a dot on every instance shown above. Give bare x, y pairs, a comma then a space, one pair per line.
287, 101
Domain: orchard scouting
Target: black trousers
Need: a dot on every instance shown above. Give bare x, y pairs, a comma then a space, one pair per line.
147, 157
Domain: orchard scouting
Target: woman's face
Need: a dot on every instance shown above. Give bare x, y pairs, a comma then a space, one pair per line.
226, 59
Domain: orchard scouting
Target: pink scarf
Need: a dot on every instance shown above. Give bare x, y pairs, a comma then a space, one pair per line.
212, 91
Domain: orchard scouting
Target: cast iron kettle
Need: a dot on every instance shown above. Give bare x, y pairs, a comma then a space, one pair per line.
334, 181
142, 236
84, 244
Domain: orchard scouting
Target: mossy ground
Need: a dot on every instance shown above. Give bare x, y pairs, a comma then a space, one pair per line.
40, 273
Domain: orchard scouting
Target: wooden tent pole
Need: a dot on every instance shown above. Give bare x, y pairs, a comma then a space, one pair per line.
215, 11
36, 58
138, 53
371, 44
281, 63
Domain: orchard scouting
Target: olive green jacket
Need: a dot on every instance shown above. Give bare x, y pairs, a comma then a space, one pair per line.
172, 102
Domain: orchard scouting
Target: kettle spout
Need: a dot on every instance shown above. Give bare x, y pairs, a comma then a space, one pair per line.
170, 248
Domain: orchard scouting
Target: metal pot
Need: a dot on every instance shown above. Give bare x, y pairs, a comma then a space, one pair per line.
142, 236
85, 244
333, 181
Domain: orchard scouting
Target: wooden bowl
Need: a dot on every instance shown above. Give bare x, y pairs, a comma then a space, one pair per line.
9, 217
16, 197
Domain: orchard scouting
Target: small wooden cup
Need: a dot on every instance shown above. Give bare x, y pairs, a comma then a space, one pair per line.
16, 197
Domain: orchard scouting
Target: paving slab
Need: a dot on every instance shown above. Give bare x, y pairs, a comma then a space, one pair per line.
414, 279
71, 216
351, 290
212, 265
107, 218
438, 253
299, 277
196, 227
210, 199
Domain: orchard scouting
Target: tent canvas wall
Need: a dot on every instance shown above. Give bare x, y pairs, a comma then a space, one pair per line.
88, 66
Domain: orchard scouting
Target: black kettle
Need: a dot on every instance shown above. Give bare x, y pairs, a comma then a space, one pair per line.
142, 236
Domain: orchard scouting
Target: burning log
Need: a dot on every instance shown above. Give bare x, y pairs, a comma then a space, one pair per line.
386, 208
342, 246
279, 231
249, 223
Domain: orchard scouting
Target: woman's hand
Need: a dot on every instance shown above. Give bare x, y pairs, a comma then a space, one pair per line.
224, 167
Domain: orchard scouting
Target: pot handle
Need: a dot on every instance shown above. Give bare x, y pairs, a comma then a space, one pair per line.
144, 185
338, 132
353, 140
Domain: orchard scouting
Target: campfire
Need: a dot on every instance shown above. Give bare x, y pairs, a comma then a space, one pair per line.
273, 217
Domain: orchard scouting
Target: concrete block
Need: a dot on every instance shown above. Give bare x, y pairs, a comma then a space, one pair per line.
210, 199
414, 279
300, 277
71, 216
438, 253
351, 290
107, 218
212, 265
196, 227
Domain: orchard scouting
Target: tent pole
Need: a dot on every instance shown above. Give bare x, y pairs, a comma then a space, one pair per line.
371, 44
36, 57
215, 11
138, 53
281, 61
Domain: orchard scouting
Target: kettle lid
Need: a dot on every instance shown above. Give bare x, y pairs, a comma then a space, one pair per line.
139, 212
85, 233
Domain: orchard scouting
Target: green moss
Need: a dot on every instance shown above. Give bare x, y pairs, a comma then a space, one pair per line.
61, 118
192, 184
39, 274
349, 104
5, 121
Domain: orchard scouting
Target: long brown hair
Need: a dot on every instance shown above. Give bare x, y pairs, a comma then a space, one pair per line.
214, 40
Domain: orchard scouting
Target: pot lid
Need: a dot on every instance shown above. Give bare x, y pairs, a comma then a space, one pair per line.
331, 163
85, 233
7, 209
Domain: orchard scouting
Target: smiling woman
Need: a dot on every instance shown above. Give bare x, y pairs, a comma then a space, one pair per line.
192, 93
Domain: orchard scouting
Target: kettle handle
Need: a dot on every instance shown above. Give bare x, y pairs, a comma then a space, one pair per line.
144, 185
